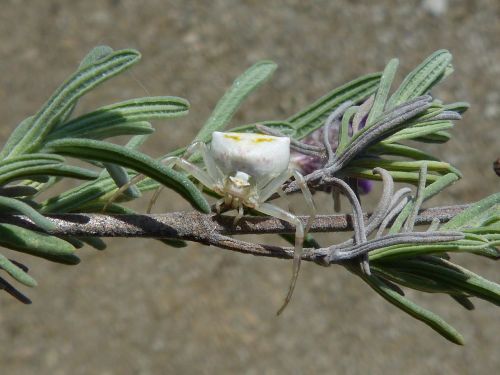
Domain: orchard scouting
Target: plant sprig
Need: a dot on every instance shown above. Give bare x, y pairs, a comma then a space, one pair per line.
371, 124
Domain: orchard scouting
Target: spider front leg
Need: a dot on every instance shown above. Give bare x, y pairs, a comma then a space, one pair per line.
208, 178
199, 174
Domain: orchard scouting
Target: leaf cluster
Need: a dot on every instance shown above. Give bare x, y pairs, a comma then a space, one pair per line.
35, 158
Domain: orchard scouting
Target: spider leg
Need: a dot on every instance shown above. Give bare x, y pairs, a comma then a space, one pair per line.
284, 197
195, 171
273, 185
218, 205
208, 160
122, 188
281, 214
239, 215
204, 177
154, 198
308, 198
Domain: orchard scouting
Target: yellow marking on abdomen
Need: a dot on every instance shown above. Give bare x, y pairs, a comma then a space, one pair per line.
233, 137
263, 139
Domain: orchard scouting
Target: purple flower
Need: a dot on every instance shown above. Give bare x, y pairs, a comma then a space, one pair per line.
307, 164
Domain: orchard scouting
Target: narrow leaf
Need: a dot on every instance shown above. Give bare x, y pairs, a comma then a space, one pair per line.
430, 191
411, 308
423, 130
37, 244
17, 206
121, 177
16, 272
476, 213
283, 126
77, 85
314, 116
137, 141
229, 103
49, 170
420, 80
94, 55
396, 149
131, 111
16, 136
441, 136
71, 200
95, 242
383, 91
460, 277
344, 130
98, 131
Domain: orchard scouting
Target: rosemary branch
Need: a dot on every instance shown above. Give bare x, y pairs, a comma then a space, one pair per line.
209, 229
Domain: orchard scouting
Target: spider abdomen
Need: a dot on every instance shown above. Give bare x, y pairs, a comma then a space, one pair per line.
254, 154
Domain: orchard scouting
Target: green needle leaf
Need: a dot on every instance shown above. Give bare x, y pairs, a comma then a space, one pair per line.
11, 204
441, 136
37, 244
344, 130
411, 308
452, 274
16, 137
396, 149
476, 214
283, 126
48, 170
382, 92
72, 200
420, 80
430, 191
94, 55
229, 103
314, 116
134, 111
76, 86
98, 131
420, 130
16, 272
121, 177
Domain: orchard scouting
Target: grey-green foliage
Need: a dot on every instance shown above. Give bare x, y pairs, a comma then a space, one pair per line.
32, 160
372, 133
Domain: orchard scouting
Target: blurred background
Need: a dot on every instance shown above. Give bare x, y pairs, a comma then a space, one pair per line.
143, 308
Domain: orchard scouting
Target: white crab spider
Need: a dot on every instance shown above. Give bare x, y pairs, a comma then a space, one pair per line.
245, 169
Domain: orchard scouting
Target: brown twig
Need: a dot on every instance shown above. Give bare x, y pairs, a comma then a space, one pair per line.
209, 229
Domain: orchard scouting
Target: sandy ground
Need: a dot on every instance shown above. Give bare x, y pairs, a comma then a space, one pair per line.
140, 308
